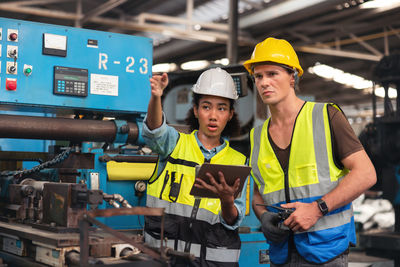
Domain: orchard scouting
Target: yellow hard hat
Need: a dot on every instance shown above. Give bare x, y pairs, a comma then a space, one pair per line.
274, 50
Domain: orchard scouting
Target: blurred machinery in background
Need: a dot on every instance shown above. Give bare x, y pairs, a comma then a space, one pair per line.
381, 141
73, 168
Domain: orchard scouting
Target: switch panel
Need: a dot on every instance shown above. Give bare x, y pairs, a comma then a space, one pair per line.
99, 72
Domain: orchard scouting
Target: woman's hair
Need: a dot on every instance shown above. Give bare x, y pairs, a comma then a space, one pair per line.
232, 128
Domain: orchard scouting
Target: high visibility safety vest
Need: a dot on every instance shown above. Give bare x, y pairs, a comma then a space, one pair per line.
191, 225
311, 173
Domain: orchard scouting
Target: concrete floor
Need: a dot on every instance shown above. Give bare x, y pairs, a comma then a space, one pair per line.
360, 259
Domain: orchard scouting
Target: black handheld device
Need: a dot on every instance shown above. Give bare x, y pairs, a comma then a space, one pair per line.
283, 213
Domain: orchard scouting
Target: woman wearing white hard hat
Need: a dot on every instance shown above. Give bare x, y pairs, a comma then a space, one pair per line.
206, 227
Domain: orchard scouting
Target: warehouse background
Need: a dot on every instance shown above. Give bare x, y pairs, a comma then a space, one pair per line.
339, 44
344, 37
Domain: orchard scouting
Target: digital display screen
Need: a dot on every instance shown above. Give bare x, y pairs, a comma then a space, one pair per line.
69, 77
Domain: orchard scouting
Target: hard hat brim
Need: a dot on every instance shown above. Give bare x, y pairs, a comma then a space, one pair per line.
248, 63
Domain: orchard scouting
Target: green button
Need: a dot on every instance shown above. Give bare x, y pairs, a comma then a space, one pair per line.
28, 70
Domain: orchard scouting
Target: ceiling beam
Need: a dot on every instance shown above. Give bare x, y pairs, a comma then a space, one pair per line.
364, 38
337, 53
101, 10
276, 11
78, 11
39, 2
201, 35
11, 7
365, 45
255, 5
147, 17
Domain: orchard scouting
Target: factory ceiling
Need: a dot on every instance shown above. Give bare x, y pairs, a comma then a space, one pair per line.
341, 34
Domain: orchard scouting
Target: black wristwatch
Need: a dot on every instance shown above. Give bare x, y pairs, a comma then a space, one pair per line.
322, 206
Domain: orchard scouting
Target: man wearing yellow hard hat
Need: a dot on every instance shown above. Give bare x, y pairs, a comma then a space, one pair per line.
306, 158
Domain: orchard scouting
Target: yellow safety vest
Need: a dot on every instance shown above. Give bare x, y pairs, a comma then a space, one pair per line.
192, 225
311, 174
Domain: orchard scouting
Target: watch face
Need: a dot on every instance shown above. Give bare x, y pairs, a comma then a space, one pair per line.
322, 206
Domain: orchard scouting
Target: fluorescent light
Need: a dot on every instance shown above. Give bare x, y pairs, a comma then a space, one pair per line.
222, 61
195, 65
197, 27
379, 3
190, 35
164, 67
348, 79
381, 92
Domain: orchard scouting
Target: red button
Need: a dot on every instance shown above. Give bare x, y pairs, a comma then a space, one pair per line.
13, 36
11, 85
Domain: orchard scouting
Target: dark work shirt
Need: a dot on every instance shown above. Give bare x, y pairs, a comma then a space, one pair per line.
345, 141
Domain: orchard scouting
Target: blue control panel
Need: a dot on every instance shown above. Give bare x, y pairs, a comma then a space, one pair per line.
48, 68
70, 81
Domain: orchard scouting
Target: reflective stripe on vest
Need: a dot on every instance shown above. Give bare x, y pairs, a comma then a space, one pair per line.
212, 254
153, 242
222, 254
182, 210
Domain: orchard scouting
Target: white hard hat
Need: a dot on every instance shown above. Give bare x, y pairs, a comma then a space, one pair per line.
216, 82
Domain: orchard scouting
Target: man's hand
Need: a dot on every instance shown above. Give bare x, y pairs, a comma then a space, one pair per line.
304, 217
158, 83
270, 228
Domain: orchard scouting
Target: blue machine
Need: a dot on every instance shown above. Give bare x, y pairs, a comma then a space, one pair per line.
254, 251
48, 68
72, 102
59, 71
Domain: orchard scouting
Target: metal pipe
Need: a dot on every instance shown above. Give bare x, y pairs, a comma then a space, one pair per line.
47, 128
135, 159
232, 43
373, 102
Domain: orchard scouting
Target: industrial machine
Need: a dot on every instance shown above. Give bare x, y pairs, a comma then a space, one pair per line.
381, 141
73, 168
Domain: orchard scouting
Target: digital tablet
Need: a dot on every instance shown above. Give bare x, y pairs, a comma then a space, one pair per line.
231, 173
